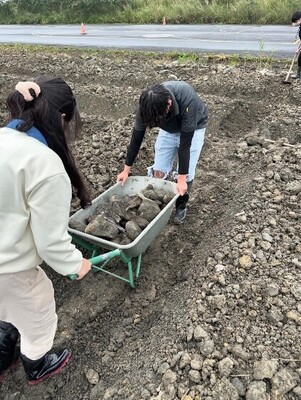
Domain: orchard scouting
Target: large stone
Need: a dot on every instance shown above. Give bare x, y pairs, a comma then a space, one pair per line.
257, 391
225, 366
284, 381
132, 230
102, 227
148, 209
245, 261
265, 369
224, 390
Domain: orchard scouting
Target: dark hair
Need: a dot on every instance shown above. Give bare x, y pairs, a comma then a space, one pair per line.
45, 113
296, 16
153, 104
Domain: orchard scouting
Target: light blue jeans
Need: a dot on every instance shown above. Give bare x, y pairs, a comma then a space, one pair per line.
166, 151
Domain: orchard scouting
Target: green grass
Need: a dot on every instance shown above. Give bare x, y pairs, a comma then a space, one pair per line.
148, 11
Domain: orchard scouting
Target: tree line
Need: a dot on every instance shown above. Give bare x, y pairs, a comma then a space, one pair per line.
147, 11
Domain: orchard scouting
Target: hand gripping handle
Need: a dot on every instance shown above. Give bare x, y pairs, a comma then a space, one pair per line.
97, 260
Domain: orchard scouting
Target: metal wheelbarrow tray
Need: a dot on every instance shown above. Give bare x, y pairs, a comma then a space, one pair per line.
134, 250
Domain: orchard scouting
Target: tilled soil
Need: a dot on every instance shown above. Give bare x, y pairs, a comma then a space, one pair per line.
216, 312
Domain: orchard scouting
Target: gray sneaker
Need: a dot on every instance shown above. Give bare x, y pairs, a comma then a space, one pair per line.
180, 215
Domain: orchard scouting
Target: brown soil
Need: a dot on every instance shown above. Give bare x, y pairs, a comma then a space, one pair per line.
134, 342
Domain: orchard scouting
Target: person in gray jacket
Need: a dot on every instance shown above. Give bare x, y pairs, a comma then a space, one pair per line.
176, 108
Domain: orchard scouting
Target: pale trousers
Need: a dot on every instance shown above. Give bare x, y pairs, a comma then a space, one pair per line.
167, 147
27, 302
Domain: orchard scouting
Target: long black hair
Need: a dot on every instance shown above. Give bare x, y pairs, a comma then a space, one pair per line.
55, 115
153, 105
296, 16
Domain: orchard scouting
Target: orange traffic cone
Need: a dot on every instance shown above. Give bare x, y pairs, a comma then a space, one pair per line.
164, 21
83, 29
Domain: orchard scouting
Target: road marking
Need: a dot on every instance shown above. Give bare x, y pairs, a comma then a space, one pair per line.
158, 35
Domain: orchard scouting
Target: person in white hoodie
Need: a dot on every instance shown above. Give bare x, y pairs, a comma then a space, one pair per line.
37, 173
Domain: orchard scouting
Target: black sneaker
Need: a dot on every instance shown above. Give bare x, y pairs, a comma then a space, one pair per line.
180, 215
38, 370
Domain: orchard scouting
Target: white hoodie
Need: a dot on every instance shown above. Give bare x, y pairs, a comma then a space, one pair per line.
35, 196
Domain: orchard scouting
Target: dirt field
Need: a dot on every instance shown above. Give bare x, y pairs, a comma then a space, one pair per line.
216, 313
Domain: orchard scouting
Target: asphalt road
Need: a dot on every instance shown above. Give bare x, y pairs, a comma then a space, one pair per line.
270, 40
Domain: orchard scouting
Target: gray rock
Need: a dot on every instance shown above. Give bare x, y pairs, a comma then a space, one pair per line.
296, 291
265, 369
297, 391
225, 366
148, 209
284, 381
200, 333
184, 360
218, 301
239, 352
272, 289
77, 225
102, 227
196, 364
194, 376
293, 187
169, 377
163, 368
92, 376
224, 390
145, 394
257, 391
110, 393
132, 229
239, 386
98, 391
207, 347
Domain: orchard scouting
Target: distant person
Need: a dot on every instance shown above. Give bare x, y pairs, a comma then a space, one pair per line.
36, 167
181, 115
296, 21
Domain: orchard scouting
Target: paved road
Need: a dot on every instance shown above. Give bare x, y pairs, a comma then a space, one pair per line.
271, 40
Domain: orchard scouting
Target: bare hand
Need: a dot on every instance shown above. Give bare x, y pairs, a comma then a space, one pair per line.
182, 188
122, 177
85, 268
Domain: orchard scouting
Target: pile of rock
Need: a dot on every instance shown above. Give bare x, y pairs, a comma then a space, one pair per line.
121, 219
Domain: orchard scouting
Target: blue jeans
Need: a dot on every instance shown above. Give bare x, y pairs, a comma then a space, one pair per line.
166, 151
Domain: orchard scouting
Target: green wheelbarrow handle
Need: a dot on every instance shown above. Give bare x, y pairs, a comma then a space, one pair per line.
98, 260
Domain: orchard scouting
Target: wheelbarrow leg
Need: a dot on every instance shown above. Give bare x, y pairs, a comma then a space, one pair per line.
138, 266
130, 272
128, 262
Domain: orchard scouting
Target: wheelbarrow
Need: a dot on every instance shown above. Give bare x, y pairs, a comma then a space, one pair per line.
129, 254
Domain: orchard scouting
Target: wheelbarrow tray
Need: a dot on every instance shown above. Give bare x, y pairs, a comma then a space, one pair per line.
133, 186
